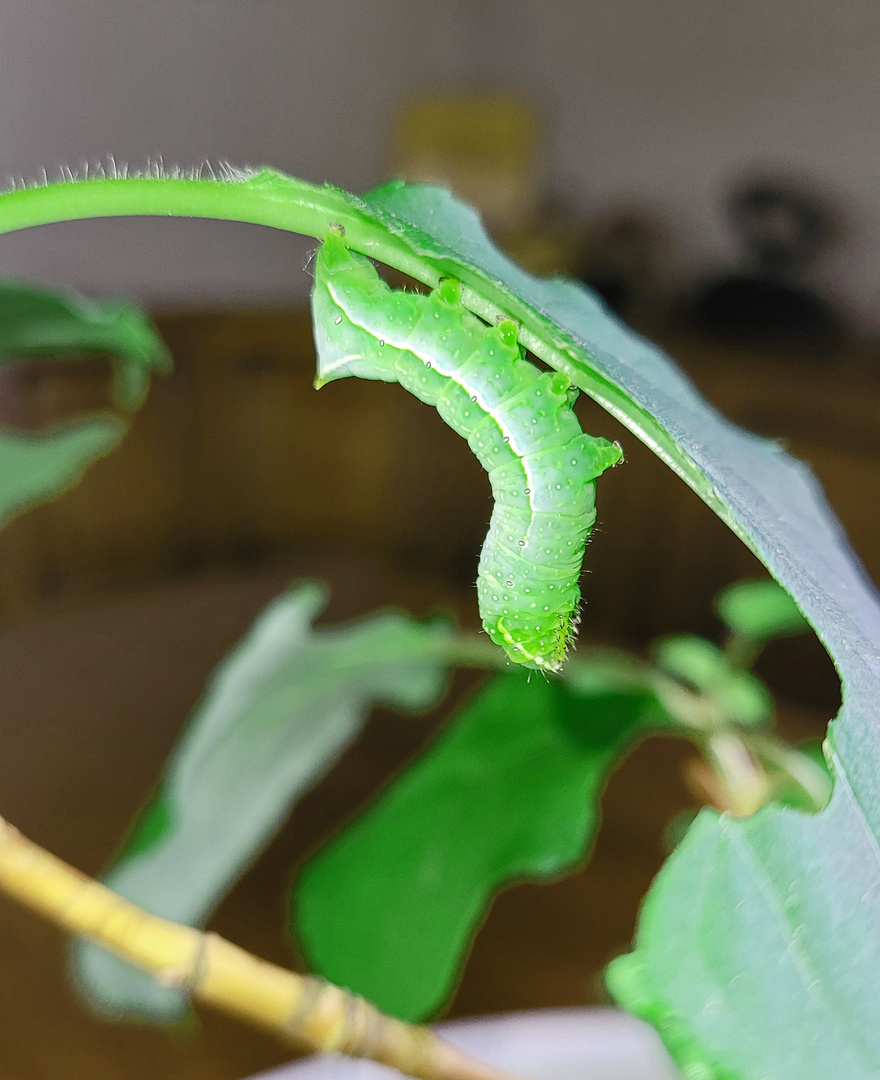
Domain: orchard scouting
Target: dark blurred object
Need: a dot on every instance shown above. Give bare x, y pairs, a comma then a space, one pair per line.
783, 230
759, 311
620, 258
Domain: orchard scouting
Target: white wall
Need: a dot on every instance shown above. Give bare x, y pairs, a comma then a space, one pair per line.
652, 100
303, 85
667, 101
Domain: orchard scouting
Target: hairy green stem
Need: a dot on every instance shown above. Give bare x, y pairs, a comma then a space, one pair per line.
277, 201
265, 198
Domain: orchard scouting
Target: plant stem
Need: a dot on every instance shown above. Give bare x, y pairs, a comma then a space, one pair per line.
282, 202
301, 1009
742, 652
796, 767
267, 198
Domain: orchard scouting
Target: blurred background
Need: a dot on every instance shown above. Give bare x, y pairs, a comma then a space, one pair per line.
711, 169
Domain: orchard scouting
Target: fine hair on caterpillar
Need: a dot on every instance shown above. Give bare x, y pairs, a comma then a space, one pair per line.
518, 421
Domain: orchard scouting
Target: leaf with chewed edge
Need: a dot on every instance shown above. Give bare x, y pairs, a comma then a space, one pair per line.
758, 950
275, 716
509, 791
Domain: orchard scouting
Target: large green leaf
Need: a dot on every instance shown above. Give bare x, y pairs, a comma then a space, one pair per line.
37, 322
509, 791
275, 716
750, 921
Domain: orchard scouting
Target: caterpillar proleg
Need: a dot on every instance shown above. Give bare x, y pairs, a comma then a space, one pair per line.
517, 420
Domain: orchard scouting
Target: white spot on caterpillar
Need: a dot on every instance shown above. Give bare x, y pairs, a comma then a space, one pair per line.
338, 320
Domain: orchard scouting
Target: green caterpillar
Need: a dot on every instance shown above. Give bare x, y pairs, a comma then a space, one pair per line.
517, 420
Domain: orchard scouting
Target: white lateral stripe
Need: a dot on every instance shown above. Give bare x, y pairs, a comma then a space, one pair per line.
406, 346
341, 362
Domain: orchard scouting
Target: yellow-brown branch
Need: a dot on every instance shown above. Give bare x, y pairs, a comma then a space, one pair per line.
305, 1010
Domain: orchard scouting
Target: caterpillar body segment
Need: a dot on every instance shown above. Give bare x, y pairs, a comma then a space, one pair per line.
518, 421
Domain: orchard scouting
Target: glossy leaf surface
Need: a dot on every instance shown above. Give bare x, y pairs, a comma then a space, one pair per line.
509, 791
276, 714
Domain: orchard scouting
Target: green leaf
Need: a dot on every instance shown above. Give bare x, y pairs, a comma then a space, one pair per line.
275, 716
739, 696
34, 468
37, 322
758, 952
784, 987
760, 611
509, 791
804, 781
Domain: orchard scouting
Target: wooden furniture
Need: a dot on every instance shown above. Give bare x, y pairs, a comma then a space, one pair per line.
235, 459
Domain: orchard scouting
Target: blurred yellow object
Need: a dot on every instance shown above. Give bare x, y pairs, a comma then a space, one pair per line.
484, 146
